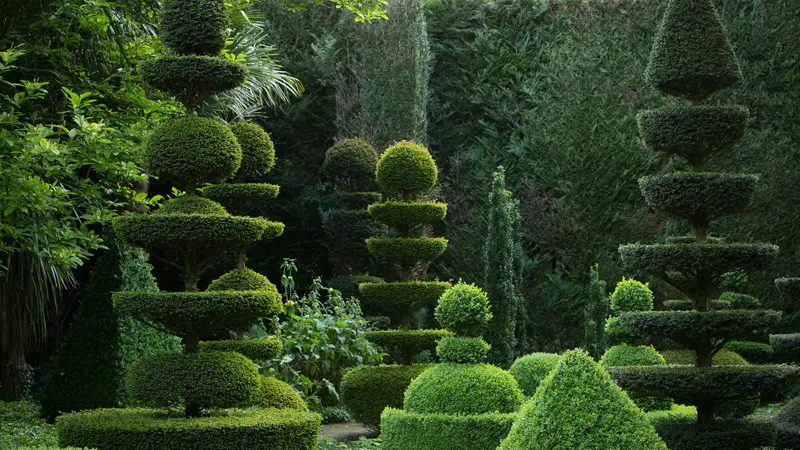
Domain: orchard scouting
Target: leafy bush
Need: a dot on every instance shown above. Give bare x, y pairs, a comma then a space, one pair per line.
463, 389
721, 435
368, 390
401, 430
462, 350
578, 406
530, 370
631, 295
464, 310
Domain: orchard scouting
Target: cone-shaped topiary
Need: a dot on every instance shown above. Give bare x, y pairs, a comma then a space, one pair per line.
692, 58
578, 406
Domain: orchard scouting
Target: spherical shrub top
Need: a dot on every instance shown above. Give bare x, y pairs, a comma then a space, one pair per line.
530, 370
462, 350
193, 150
194, 27
350, 164
242, 280
626, 355
463, 389
191, 204
464, 309
631, 295
406, 169
258, 151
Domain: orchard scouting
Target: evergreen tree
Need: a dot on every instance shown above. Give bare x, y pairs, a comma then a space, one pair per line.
594, 316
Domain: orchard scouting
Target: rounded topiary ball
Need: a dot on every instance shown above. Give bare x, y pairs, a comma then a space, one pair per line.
463, 389
277, 394
194, 27
191, 204
530, 370
193, 150
350, 164
258, 151
627, 355
406, 169
242, 280
462, 350
631, 295
464, 309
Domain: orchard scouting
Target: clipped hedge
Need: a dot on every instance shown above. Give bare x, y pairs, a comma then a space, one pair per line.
258, 151
786, 347
724, 357
274, 393
698, 196
200, 76
688, 305
463, 389
242, 279
236, 193
689, 327
406, 169
367, 390
407, 250
530, 370
145, 429
753, 352
196, 27
401, 430
462, 350
721, 435
255, 349
209, 379
193, 150
406, 215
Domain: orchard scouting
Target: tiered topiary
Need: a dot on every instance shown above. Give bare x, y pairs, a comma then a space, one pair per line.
191, 233
578, 407
460, 403
406, 172
692, 59
350, 168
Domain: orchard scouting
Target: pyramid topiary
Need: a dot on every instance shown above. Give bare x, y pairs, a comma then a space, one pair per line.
693, 59
191, 234
448, 403
406, 172
579, 407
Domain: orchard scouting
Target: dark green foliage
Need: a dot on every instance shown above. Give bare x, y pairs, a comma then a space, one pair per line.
194, 27
193, 150
401, 343
406, 170
724, 357
191, 204
255, 349
631, 295
349, 200
198, 315
698, 196
721, 435
137, 429
407, 250
530, 370
462, 350
579, 407
462, 390
753, 352
368, 390
348, 285
695, 133
688, 384
688, 305
209, 379
688, 327
789, 287
346, 232
786, 347
238, 196
626, 355
277, 394
350, 164
788, 437
192, 79
595, 312
258, 151
692, 57
404, 216
790, 413
400, 298
401, 430
242, 280
464, 310
740, 301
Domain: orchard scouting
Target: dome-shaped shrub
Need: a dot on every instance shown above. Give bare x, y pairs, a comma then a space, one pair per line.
463, 389
351, 164
191, 204
194, 27
627, 355
242, 280
464, 309
530, 370
406, 169
631, 295
258, 151
462, 350
277, 394
193, 150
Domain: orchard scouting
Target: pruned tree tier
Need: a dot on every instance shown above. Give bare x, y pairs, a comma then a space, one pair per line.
708, 260
698, 197
695, 133
234, 193
192, 78
692, 327
402, 297
406, 215
255, 349
398, 343
407, 250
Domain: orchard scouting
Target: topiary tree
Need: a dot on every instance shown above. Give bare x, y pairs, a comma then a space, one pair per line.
629, 296
406, 172
578, 406
350, 168
191, 233
595, 338
692, 59
460, 395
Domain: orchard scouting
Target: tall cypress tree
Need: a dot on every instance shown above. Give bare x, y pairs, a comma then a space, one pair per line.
692, 59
